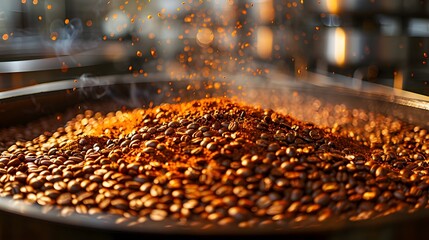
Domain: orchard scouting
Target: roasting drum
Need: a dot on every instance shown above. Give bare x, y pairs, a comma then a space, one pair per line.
22, 221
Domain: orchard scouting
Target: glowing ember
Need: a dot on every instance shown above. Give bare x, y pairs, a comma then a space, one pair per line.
54, 36
205, 37
190, 39
153, 52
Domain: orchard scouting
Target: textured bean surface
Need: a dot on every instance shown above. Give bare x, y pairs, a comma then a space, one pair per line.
219, 162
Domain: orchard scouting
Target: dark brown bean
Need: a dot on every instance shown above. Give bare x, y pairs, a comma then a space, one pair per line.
239, 213
64, 199
322, 199
158, 215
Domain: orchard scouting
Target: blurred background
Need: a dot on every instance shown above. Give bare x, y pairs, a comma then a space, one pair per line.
383, 41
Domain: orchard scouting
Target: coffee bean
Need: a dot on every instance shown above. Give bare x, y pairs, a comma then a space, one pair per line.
169, 131
330, 187
158, 215
369, 196
381, 172
296, 194
290, 137
244, 172
14, 162
220, 161
290, 151
262, 126
233, 126
322, 199
276, 208
156, 191
174, 124
212, 146
262, 143
315, 134
149, 150
119, 203
151, 143
64, 199
34, 182
196, 151
239, 213
399, 194
84, 195
273, 147
73, 186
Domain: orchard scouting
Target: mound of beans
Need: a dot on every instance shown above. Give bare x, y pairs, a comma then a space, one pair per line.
217, 162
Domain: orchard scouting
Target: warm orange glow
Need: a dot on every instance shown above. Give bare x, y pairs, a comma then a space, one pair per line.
340, 46
49, 6
398, 80
153, 52
266, 12
54, 36
89, 23
264, 44
187, 19
205, 37
66, 21
332, 6
5, 37
64, 67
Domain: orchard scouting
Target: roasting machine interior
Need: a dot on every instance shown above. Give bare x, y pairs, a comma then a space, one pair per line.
301, 119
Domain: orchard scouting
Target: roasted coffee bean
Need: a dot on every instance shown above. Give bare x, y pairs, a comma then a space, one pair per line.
73, 186
315, 134
290, 137
196, 151
151, 143
262, 143
330, 187
273, 147
169, 131
322, 199
119, 203
233, 126
212, 146
221, 161
290, 151
174, 124
64, 199
239, 213
381, 172
158, 215
149, 150
52, 193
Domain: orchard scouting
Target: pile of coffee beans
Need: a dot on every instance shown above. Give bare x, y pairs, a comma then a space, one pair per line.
218, 162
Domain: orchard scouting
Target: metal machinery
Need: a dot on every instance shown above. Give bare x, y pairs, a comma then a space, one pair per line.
368, 46
384, 42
